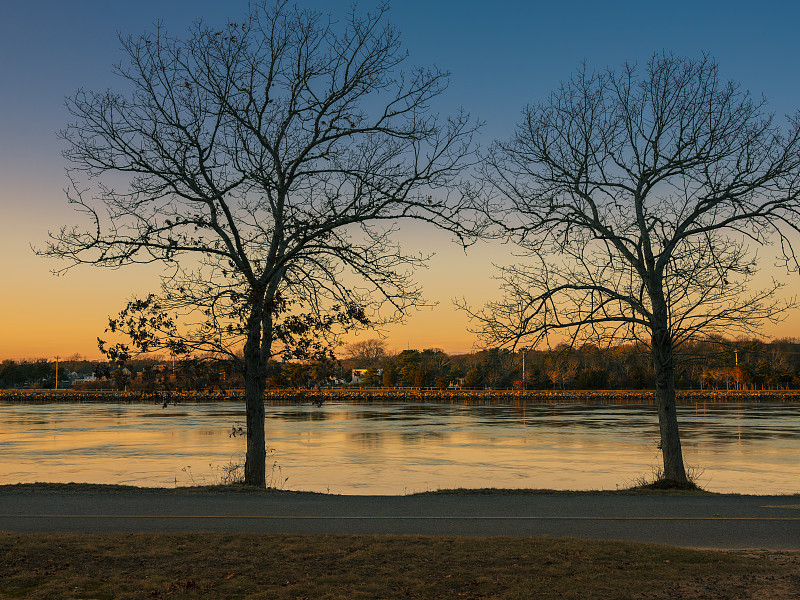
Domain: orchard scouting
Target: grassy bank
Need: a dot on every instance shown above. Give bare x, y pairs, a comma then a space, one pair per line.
378, 395
643, 488
290, 567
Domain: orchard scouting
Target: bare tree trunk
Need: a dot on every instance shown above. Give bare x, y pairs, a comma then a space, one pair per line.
664, 369
254, 382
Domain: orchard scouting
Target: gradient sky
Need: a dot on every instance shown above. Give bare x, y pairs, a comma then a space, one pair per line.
501, 54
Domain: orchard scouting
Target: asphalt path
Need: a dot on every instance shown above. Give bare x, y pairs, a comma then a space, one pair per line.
769, 522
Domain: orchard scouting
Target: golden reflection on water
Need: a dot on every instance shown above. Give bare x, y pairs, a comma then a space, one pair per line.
399, 448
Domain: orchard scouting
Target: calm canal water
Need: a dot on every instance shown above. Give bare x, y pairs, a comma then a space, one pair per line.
398, 448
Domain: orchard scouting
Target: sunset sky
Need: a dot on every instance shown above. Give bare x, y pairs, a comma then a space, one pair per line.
501, 54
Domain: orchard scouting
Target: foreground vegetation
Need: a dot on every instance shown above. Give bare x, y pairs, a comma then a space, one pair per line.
639, 487
222, 565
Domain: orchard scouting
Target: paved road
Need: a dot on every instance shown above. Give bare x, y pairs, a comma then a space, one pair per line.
771, 522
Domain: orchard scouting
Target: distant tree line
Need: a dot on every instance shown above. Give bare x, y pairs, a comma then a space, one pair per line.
26, 373
714, 364
720, 364
151, 374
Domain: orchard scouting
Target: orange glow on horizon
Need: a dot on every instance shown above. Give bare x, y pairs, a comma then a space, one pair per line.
43, 316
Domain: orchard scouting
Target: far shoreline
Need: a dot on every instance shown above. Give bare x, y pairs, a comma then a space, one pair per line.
366, 395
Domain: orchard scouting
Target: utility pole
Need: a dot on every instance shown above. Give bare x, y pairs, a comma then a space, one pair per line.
56, 373
524, 354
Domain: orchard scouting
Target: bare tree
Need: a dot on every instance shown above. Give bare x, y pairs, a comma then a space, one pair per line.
266, 163
636, 198
366, 353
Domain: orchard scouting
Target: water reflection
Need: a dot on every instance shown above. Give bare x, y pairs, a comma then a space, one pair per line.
366, 440
298, 416
395, 448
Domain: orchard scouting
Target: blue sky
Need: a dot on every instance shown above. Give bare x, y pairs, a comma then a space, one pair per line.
501, 55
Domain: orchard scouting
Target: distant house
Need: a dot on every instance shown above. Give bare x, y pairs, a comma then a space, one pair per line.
358, 375
78, 378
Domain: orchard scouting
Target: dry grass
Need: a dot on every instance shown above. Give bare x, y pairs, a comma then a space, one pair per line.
633, 490
105, 488
110, 488
291, 567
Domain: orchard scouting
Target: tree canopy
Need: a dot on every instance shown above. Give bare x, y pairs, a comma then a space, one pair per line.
266, 164
636, 199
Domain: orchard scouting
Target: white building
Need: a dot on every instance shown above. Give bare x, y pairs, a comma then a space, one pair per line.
359, 374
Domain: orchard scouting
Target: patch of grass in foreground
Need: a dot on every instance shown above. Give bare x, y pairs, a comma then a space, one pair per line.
104, 488
628, 491
214, 565
108, 488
